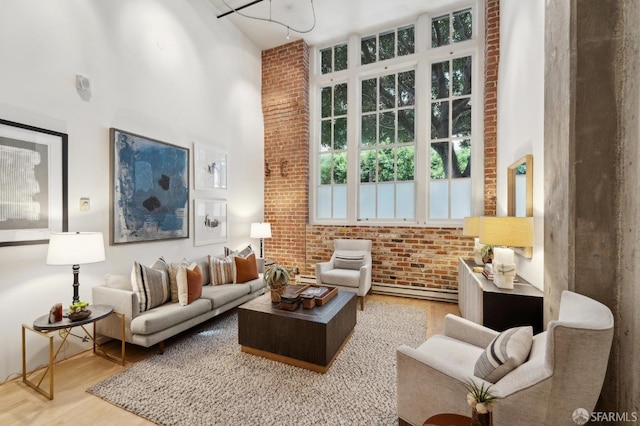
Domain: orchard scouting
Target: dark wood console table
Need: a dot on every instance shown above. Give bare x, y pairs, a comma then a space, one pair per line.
481, 301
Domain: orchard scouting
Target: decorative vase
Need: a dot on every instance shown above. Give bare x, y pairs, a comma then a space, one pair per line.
276, 293
481, 419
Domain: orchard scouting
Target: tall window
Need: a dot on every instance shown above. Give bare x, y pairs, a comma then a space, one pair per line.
387, 147
450, 147
332, 193
408, 148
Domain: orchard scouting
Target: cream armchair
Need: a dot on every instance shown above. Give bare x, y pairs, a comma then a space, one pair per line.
564, 371
349, 268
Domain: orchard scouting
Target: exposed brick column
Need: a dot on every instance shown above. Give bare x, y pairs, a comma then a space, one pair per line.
491, 61
285, 105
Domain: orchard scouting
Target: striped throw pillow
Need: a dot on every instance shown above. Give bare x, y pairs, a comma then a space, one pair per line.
221, 270
348, 261
151, 284
507, 351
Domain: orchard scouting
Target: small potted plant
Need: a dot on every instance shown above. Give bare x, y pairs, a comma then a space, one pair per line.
487, 253
276, 277
480, 400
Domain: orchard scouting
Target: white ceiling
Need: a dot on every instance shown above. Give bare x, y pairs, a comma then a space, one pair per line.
335, 19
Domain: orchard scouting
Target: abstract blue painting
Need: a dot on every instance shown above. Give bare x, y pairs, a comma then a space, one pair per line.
150, 189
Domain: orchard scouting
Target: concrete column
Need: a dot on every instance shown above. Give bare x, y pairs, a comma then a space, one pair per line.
591, 172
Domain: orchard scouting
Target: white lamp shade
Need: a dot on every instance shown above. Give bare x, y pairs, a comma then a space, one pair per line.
75, 248
507, 231
471, 226
260, 230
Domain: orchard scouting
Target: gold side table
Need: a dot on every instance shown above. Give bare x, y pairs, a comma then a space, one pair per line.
42, 327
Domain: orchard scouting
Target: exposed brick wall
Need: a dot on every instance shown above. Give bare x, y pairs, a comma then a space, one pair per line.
415, 256
491, 60
420, 257
285, 105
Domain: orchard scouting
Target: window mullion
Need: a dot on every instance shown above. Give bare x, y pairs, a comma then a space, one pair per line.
353, 128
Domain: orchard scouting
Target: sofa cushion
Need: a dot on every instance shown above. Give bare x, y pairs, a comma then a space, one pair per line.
348, 260
507, 351
189, 284
167, 315
173, 272
225, 293
221, 270
151, 284
245, 269
257, 284
342, 277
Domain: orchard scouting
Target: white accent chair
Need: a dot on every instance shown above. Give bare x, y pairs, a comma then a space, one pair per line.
565, 369
354, 276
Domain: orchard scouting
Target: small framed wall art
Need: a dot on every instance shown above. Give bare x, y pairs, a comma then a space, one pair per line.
210, 221
33, 184
210, 168
149, 189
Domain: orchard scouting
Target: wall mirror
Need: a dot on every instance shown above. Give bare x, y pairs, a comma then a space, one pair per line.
520, 193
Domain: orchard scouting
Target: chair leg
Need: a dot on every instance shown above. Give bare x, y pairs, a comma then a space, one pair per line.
361, 302
161, 347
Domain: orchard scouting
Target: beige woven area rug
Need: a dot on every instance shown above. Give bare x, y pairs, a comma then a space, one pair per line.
204, 378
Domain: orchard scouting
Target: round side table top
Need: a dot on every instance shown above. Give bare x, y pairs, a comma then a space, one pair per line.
448, 419
97, 312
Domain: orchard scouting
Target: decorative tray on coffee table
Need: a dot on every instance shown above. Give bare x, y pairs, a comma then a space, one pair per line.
323, 293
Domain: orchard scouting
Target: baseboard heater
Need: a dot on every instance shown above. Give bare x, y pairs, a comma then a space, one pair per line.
439, 295
436, 294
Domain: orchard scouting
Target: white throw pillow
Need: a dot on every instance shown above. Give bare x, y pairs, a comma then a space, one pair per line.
507, 351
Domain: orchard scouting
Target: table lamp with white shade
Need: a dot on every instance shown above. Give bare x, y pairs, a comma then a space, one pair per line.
507, 231
260, 230
75, 248
471, 228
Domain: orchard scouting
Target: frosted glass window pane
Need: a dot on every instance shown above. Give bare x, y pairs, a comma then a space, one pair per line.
439, 200
367, 201
405, 200
386, 201
324, 202
460, 198
340, 202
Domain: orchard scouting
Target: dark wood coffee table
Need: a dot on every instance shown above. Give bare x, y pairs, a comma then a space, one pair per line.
307, 338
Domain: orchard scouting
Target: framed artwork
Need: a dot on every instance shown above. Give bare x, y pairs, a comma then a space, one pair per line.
210, 168
149, 189
210, 221
33, 184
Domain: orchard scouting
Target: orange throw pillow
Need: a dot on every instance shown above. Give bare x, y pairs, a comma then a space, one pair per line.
194, 284
246, 269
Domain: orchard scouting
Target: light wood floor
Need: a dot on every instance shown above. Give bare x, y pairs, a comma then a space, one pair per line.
72, 405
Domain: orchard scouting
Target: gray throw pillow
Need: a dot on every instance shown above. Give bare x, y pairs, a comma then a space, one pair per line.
506, 352
151, 284
348, 261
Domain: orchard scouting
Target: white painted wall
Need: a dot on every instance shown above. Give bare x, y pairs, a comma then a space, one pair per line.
521, 113
165, 69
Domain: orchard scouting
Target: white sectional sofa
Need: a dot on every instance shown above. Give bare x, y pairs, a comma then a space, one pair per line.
161, 322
